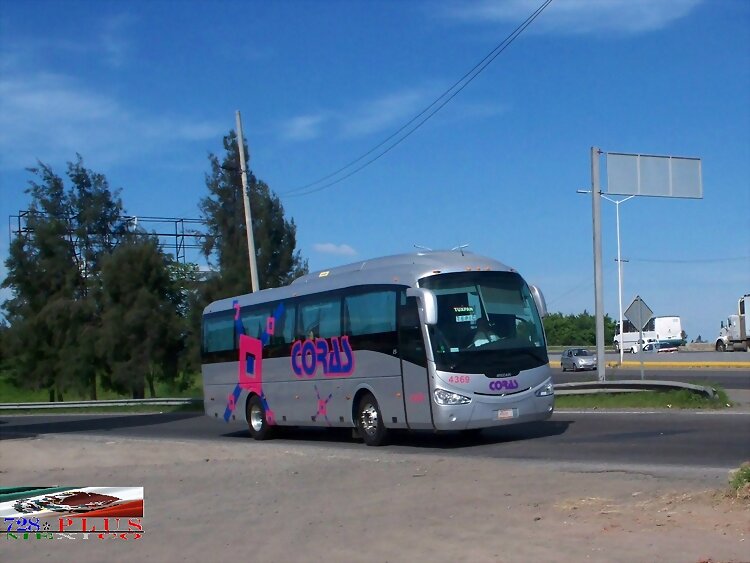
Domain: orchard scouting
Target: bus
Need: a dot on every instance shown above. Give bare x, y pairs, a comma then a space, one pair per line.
384, 344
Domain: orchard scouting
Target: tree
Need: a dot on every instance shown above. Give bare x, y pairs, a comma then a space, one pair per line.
141, 334
90, 299
226, 243
52, 271
186, 278
575, 330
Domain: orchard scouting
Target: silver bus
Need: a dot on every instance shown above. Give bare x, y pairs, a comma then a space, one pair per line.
425, 341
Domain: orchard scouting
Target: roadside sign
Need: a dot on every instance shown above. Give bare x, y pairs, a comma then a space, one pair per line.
650, 175
639, 313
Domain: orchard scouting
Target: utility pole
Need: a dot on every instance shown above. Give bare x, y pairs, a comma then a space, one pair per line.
246, 201
598, 289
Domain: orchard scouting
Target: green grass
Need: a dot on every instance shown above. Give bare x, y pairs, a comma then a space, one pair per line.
9, 393
682, 399
740, 478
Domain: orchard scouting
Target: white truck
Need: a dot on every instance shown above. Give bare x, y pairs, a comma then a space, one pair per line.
666, 330
734, 333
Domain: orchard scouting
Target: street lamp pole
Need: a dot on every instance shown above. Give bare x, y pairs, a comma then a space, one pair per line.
619, 265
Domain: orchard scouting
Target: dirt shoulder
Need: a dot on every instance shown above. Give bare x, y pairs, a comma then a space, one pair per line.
209, 501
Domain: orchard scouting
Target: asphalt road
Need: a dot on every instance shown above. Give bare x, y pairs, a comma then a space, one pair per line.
683, 438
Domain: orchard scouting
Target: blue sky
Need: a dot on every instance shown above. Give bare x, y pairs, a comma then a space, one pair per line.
145, 90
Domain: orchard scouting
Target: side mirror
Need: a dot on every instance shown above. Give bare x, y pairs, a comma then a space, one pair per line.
722, 324
427, 304
541, 304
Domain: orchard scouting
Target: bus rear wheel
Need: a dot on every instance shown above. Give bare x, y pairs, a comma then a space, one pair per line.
257, 421
370, 422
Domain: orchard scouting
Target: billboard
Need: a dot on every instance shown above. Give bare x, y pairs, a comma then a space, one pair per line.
657, 176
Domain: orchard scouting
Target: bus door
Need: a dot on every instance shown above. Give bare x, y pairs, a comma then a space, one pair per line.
411, 345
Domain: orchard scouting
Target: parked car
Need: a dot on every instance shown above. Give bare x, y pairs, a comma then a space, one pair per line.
659, 348
646, 346
577, 359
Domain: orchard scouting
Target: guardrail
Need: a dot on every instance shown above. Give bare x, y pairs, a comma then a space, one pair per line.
575, 388
104, 403
630, 386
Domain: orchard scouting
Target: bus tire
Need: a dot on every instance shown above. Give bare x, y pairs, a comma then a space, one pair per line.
257, 423
369, 421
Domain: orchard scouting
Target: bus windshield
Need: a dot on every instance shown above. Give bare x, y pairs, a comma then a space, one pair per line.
487, 323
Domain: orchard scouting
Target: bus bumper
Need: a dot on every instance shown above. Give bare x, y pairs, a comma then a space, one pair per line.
488, 412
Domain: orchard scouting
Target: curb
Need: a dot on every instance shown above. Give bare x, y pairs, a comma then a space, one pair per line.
636, 364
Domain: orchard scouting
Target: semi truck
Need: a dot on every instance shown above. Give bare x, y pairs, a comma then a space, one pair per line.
734, 333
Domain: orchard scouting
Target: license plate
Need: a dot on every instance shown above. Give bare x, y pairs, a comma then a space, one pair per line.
504, 414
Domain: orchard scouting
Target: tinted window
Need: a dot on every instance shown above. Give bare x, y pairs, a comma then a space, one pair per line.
320, 318
284, 328
254, 320
218, 332
370, 313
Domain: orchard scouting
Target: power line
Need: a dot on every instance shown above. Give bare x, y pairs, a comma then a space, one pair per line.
587, 283
696, 261
466, 79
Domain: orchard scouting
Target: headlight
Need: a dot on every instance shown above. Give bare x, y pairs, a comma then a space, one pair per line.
443, 397
546, 390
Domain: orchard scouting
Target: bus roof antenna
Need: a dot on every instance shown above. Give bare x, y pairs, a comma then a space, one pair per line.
460, 248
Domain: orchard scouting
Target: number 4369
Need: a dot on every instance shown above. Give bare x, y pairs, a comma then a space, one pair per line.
459, 379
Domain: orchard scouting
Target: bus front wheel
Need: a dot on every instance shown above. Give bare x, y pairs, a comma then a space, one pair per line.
370, 422
257, 421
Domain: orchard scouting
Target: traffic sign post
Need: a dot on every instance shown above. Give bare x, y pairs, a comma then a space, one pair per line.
639, 314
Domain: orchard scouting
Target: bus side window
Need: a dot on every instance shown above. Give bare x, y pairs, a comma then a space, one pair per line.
218, 332
279, 342
370, 313
284, 327
320, 318
254, 321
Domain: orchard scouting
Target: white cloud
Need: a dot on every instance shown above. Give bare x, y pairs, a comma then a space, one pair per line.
330, 248
50, 117
383, 113
303, 128
115, 46
368, 117
578, 16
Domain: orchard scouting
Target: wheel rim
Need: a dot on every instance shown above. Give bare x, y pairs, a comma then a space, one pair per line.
256, 418
368, 419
